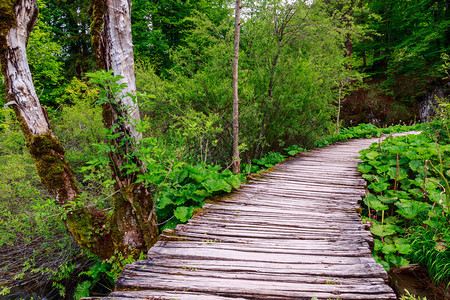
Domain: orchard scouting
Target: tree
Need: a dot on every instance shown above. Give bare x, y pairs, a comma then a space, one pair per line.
132, 223
46, 64
69, 23
237, 27
160, 26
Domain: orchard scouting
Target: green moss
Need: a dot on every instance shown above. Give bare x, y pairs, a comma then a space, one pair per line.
98, 11
91, 229
8, 18
52, 168
7, 21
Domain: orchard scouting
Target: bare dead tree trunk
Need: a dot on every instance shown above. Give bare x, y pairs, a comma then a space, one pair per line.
133, 206
237, 28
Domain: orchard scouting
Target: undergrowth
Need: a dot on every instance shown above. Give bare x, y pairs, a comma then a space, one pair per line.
408, 204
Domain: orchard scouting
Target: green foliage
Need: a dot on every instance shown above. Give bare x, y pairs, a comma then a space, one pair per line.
365, 131
79, 122
69, 23
430, 248
103, 272
287, 84
160, 27
407, 205
181, 186
409, 296
37, 249
269, 160
407, 40
46, 65
44, 254
185, 187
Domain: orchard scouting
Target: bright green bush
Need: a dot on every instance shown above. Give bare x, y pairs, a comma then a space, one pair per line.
36, 248
408, 205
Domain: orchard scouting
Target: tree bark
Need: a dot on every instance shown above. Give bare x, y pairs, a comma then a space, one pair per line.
44, 147
237, 28
133, 222
133, 206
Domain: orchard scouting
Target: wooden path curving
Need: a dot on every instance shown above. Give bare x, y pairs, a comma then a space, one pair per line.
293, 234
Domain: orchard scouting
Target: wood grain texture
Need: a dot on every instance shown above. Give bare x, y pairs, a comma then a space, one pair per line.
292, 234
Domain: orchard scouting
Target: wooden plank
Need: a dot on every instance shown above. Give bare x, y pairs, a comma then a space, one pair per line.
300, 244
238, 255
245, 288
242, 237
274, 224
252, 210
244, 274
155, 294
344, 271
324, 231
307, 249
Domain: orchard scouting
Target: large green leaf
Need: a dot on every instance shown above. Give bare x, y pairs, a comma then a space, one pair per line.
411, 209
416, 164
183, 213
399, 261
381, 169
398, 174
372, 201
388, 248
378, 245
163, 201
202, 193
368, 177
383, 230
411, 154
378, 187
372, 155
387, 200
364, 168
234, 181
403, 246
216, 185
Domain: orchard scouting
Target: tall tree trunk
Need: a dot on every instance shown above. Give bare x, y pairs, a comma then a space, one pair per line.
133, 206
133, 222
45, 148
237, 28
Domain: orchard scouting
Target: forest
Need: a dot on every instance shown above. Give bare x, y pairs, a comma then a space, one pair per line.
107, 157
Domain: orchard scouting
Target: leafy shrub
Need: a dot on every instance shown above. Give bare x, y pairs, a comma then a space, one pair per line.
103, 273
36, 249
79, 123
407, 205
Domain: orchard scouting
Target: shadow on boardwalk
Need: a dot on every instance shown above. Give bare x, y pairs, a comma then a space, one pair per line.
293, 234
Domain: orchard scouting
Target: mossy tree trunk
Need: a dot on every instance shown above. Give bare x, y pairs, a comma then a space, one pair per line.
45, 148
112, 43
132, 223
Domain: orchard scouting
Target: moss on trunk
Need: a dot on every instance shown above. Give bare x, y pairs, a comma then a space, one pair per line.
93, 230
54, 171
98, 11
7, 21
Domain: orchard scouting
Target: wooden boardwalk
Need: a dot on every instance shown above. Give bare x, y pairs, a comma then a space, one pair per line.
293, 234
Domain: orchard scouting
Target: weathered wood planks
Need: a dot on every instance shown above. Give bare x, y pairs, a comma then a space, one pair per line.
294, 233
